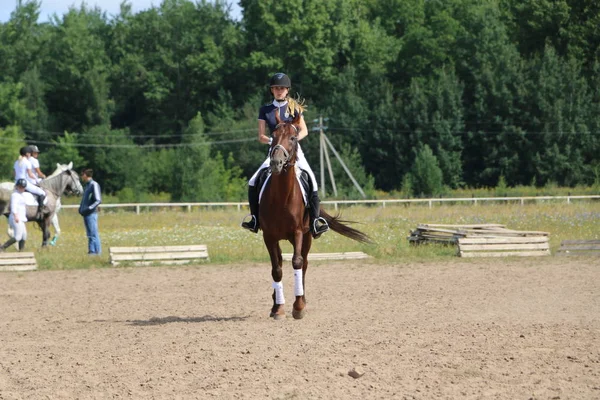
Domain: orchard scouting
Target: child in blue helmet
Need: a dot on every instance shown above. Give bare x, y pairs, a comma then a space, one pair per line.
288, 109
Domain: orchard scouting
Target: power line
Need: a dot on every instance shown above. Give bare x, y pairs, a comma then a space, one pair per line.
145, 136
130, 146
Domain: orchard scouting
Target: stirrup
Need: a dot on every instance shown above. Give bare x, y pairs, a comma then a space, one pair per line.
320, 226
251, 225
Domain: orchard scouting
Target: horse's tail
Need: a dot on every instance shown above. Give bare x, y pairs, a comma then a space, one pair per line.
338, 225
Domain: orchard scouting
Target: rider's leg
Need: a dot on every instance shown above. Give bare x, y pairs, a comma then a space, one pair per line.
21, 245
252, 225
8, 243
40, 205
41, 197
253, 194
318, 225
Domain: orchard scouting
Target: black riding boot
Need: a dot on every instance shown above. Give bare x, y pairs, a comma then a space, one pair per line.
318, 225
21, 245
40, 210
8, 243
252, 225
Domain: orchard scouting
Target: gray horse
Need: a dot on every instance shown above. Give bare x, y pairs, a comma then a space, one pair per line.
55, 185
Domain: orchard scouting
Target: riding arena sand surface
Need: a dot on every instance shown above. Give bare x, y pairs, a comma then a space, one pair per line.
525, 328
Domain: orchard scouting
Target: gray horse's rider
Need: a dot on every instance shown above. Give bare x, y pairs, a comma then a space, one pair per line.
35, 163
24, 170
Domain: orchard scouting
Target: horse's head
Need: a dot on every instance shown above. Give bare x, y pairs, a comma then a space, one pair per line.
69, 182
73, 183
284, 149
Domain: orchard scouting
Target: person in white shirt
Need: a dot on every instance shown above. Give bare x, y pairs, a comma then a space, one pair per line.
24, 170
18, 216
35, 163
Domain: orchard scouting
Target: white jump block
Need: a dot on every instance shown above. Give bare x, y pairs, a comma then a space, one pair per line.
170, 255
579, 248
17, 262
353, 255
504, 247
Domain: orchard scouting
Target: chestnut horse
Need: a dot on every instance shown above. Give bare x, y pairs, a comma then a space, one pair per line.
283, 216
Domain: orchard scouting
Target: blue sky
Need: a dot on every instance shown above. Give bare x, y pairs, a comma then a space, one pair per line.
60, 7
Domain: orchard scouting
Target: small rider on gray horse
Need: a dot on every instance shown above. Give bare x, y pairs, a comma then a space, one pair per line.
24, 170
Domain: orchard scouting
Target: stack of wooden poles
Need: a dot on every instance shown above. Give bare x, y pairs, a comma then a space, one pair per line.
449, 234
484, 240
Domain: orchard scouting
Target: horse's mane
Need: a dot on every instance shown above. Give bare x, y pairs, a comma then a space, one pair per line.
59, 170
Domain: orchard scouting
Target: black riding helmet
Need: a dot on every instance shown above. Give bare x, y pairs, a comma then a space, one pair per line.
24, 150
21, 182
33, 149
280, 79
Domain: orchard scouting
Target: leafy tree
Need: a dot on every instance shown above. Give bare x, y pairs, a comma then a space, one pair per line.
426, 175
116, 161
77, 71
11, 140
62, 151
562, 113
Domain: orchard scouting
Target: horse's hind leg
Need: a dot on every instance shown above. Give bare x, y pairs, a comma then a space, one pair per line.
277, 311
44, 225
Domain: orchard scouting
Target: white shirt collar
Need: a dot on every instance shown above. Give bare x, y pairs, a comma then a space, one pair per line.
279, 103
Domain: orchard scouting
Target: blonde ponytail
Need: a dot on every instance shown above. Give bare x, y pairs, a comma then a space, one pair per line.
297, 104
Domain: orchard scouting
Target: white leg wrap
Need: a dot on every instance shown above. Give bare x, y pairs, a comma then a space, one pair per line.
298, 287
278, 286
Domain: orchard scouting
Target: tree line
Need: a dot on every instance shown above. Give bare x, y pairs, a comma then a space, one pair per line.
420, 95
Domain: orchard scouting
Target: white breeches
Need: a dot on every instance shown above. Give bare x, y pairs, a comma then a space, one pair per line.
31, 188
301, 163
19, 231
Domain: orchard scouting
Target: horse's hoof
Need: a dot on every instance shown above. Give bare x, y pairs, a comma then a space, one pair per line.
277, 316
298, 314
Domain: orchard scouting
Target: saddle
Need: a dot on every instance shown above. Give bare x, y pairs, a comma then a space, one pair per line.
302, 176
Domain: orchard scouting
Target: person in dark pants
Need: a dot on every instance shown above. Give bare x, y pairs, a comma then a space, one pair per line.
89, 211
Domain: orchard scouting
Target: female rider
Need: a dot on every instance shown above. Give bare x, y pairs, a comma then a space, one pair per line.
24, 170
288, 109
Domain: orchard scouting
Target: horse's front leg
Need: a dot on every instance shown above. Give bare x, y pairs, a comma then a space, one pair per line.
299, 269
277, 311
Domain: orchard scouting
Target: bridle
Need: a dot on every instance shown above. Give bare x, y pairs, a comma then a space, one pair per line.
288, 156
68, 172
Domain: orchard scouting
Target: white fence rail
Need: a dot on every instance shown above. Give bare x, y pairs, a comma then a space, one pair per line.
337, 203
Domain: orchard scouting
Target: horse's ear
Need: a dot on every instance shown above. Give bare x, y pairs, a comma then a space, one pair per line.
296, 120
70, 166
58, 166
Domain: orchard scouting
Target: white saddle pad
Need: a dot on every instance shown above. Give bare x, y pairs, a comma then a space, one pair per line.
30, 200
298, 172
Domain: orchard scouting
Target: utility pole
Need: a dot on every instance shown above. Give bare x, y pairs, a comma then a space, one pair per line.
324, 157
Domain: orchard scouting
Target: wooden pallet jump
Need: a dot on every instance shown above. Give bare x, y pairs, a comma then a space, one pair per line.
158, 254
519, 246
352, 255
17, 261
450, 234
579, 248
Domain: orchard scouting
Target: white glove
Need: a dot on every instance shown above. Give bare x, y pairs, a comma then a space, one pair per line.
270, 141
